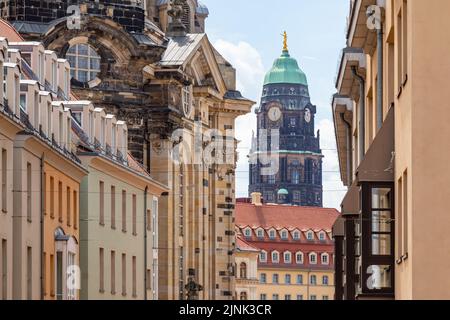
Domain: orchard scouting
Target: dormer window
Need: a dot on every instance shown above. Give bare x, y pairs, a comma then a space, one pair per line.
78, 116
102, 132
60, 141
91, 126
263, 256
313, 258
260, 233
287, 257
84, 62
113, 138
325, 259
54, 77
23, 101
275, 257
296, 235
310, 236
248, 233
69, 133
272, 234
299, 258
322, 236
284, 235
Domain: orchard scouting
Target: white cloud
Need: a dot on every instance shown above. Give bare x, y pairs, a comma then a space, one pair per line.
249, 72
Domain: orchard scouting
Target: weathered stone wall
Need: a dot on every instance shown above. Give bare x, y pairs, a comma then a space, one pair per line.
129, 14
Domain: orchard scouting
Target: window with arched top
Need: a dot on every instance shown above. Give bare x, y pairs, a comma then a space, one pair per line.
313, 258
243, 270
299, 258
287, 257
272, 234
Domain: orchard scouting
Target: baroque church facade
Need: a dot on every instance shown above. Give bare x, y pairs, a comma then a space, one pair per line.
288, 171
151, 64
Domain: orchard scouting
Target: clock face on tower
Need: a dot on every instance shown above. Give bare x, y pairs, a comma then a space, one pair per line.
274, 112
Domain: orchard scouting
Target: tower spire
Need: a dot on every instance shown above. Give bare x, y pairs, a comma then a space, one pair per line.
285, 41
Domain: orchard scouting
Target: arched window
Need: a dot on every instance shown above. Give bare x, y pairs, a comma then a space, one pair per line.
243, 270
287, 257
263, 256
313, 258
275, 257
295, 176
299, 258
244, 296
84, 62
325, 259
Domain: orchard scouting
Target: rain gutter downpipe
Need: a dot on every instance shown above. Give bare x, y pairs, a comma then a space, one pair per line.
349, 149
362, 114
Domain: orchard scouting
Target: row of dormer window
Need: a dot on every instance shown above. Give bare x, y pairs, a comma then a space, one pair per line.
284, 234
47, 107
294, 258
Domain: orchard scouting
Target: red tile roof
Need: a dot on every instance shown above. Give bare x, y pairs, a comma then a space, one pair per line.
289, 217
243, 245
8, 31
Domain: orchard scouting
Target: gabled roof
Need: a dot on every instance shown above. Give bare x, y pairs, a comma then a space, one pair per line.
180, 49
243, 245
289, 217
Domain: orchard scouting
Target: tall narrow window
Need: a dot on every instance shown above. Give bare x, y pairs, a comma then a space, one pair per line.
113, 207
149, 220
148, 284
29, 192
69, 134
75, 209
134, 278
102, 270
399, 51
59, 276
124, 211
45, 193
102, 203
4, 180
405, 41
134, 204
52, 197
61, 136
52, 275
113, 272
29, 273
44, 268
60, 201
400, 220
36, 110
4, 272
69, 206
124, 274
405, 214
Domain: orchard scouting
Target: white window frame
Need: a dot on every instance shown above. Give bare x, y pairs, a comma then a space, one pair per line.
325, 256
296, 232
278, 255
258, 233
274, 232
289, 254
263, 252
310, 235
297, 254
322, 234
313, 254
284, 232
247, 232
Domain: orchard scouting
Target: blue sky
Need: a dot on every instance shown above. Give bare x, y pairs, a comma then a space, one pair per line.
248, 34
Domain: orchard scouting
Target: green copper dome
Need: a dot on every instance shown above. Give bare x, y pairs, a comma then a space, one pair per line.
283, 192
286, 70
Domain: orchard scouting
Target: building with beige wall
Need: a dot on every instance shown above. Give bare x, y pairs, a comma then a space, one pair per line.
295, 260
389, 113
118, 212
246, 270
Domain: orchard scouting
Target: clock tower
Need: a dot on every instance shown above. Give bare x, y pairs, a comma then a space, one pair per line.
287, 112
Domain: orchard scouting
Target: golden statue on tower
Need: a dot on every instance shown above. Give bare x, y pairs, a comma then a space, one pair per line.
285, 43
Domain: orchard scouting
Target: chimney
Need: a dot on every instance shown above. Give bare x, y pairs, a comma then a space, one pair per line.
256, 198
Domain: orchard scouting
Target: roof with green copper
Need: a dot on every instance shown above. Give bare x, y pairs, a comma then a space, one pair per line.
286, 70
283, 192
